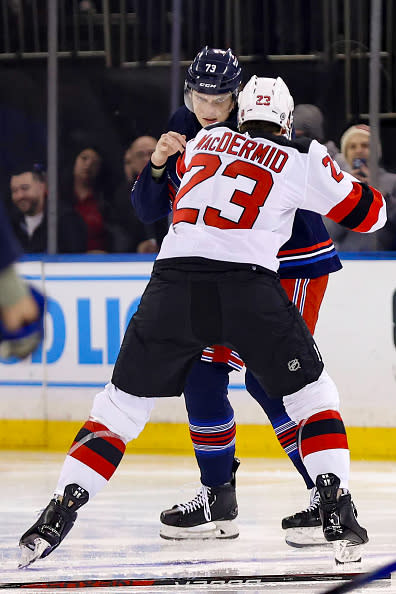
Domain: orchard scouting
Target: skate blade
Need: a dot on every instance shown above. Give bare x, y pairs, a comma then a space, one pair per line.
305, 537
346, 552
210, 531
29, 555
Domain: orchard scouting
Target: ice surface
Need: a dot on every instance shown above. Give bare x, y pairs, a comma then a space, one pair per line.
116, 535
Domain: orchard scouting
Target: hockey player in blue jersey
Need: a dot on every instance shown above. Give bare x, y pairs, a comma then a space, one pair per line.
211, 88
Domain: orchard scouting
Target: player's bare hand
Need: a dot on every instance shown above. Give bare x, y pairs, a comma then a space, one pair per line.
22, 312
169, 144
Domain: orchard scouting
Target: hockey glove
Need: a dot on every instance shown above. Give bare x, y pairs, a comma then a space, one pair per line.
23, 342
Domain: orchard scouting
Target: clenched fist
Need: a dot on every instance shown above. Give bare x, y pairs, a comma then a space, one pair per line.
169, 144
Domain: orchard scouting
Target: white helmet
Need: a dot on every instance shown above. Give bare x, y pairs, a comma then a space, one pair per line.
266, 99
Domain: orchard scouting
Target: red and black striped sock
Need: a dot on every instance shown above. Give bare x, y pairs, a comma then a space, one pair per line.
322, 431
98, 447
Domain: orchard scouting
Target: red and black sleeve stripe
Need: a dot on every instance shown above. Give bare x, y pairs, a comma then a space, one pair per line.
359, 211
171, 191
181, 166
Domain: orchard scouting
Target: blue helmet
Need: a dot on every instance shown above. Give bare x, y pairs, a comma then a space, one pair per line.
214, 72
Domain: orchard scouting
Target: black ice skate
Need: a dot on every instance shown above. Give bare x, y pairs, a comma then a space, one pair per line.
209, 515
338, 515
53, 525
304, 528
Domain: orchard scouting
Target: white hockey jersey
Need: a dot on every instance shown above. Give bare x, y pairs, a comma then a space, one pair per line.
238, 196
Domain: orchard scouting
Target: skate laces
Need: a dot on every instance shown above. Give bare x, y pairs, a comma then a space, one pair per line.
200, 500
314, 501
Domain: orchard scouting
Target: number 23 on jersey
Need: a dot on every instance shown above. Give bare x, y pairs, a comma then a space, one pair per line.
250, 202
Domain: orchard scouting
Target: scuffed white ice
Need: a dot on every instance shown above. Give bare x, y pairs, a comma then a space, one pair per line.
116, 534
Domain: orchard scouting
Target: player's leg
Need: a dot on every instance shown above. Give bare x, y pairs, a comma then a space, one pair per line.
212, 429
116, 418
303, 528
211, 513
307, 295
122, 409
285, 429
211, 420
283, 356
325, 452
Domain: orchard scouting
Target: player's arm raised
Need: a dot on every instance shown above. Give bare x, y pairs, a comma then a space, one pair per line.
169, 144
340, 196
154, 189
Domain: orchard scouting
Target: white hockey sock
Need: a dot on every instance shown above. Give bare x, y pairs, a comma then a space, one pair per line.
335, 461
74, 471
116, 418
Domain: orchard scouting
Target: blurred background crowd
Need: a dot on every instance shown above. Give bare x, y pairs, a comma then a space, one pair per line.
117, 87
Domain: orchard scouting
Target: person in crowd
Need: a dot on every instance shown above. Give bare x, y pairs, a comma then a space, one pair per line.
306, 260
138, 155
21, 310
86, 191
216, 279
28, 212
354, 158
309, 122
133, 235
355, 154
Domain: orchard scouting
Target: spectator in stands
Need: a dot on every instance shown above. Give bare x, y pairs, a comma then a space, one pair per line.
133, 235
354, 158
309, 122
85, 190
138, 155
355, 153
28, 214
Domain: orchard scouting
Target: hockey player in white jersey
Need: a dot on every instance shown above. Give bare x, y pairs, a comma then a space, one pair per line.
255, 185
216, 280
